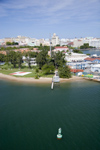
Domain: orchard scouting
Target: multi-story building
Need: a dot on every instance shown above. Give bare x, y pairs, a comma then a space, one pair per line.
75, 57
55, 40
95, 42
8, 39
77, 43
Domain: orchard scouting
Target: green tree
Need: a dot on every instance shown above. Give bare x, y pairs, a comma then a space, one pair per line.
2, 57
77, 51
14, 43
41, 58
13, 58
85, 46
28, 58
33, 54
64, 72
30, 55
7, 59
19, 59
8, 43
59, 59
88, 54
48, 69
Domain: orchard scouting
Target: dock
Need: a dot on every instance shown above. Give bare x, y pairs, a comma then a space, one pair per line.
55, 79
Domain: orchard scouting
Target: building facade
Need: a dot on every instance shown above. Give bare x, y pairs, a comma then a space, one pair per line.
55, 40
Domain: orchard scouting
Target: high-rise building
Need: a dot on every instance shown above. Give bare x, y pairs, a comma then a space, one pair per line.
55, 40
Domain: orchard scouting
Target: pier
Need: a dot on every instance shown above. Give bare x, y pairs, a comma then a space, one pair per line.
55, 79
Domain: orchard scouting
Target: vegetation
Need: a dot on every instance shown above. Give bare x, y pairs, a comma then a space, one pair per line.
58, 45
36, 76
2, 57
41, 58
59, 60
11, 43
64, 72
46, 65
85, 46
77, 51
48, 69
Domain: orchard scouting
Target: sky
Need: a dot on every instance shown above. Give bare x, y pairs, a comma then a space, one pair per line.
42, 18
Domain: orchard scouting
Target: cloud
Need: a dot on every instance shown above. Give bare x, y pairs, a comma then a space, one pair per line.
50, 11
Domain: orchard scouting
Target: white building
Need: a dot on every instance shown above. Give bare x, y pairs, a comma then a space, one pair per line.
60, 48
55, 40
95, 68
32, 61
77, 43
95, 42
74, 57
79, 65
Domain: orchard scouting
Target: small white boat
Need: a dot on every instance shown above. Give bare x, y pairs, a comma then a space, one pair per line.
59, 135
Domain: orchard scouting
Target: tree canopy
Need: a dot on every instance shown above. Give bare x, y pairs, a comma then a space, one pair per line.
77, 51
64, 72
48, 69
85, 46
41, 58
2, 57
59, 59
11, 43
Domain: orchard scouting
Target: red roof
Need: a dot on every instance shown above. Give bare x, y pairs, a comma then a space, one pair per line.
61, 47
91, 59
71, 43
76, 70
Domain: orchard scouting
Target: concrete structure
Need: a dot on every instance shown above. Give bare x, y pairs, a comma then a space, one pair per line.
95, 42
32, 61
59, 49
92, 60
95, 68
8, 40
77, 43
22, 50
3, 52
55, 40
75, 57
79, 65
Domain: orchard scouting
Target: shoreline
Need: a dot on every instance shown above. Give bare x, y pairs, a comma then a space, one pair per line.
33, 80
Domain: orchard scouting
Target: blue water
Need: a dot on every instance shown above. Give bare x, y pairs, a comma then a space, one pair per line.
30, 116
91, 52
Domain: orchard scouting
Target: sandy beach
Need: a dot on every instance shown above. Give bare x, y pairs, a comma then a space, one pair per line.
32, 80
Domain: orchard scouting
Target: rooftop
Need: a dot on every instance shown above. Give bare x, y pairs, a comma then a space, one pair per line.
91, 59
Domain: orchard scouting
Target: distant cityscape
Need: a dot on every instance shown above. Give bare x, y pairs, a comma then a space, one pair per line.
54, 40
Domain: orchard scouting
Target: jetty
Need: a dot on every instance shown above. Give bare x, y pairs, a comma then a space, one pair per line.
55, 79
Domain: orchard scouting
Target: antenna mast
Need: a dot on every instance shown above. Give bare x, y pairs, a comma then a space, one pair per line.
50, 46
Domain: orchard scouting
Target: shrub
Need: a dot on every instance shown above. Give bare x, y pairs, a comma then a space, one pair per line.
36, 76
37, 70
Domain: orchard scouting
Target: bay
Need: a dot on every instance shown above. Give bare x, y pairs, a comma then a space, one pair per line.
30, 116
92, 51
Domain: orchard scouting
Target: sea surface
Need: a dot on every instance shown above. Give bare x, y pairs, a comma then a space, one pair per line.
92, 51
30, 116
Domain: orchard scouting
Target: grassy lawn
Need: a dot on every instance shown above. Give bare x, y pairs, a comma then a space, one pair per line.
32, 74
23, 70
